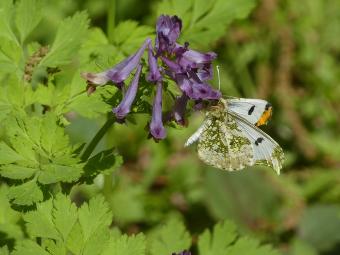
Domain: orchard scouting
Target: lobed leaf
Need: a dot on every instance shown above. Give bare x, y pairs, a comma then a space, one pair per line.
28, 16
36, 147
216, 243
224, 240
172, 237
69, 36
126, 245
206, 21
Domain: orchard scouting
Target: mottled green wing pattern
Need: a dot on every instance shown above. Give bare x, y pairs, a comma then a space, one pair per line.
223, 145
265, 150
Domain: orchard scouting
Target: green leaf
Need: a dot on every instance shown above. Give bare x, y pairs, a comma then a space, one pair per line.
215, 243
6, 17
29, 247
8, 217
52, 173
75, 240
94, 219
94, 215
25, 194
39, 223
172, 237
28, 15
63, 228
104, 162
10, 56
69, 36
129, 36
202, 20
73, 97
16, 172
39, 147
223, 240
8, 155
55, 248
246, 245
64, 215
126, 245
96, 243
89, 106
12, 98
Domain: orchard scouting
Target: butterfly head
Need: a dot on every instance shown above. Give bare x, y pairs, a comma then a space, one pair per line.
217, 108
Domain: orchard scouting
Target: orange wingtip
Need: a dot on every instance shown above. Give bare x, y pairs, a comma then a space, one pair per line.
265, 116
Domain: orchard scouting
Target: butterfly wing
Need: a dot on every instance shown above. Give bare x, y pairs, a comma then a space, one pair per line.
195, 136
223, 145
256, 111
265, 150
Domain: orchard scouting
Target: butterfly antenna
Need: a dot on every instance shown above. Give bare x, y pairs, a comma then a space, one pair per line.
218, 76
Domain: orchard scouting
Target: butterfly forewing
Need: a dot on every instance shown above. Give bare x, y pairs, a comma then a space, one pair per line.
256, 111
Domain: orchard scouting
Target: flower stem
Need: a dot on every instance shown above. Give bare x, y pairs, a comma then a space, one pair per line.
111, 18
96, 139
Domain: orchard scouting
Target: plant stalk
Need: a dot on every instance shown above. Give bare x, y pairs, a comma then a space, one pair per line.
96, 139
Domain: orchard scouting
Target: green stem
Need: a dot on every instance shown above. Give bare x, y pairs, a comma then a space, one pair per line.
96, 139
111, 18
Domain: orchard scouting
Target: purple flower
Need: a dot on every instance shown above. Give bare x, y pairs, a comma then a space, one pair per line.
174, 68
190, 73
205, 73
125, 105
185, 252
198, 57
178, 112
196, 89
119, 72
168, 30
154, 74
157, 129
190, 69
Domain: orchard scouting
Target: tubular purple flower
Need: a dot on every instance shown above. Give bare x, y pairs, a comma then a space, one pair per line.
168, 30
204, 91
184, 84
174, 67
178, 112
157, 129
198, 57
154, 75
119, 72
195, 89
96, 78
125, 105
205, 73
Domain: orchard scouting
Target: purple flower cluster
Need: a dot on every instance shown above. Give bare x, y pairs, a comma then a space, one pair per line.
167, 59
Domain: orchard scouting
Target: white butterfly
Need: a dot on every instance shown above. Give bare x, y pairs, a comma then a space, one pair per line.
230, 139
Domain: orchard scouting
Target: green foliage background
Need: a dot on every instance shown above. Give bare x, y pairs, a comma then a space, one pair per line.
135, 196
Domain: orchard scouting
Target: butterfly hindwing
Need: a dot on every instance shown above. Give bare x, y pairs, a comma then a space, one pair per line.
265, 150
223, 145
